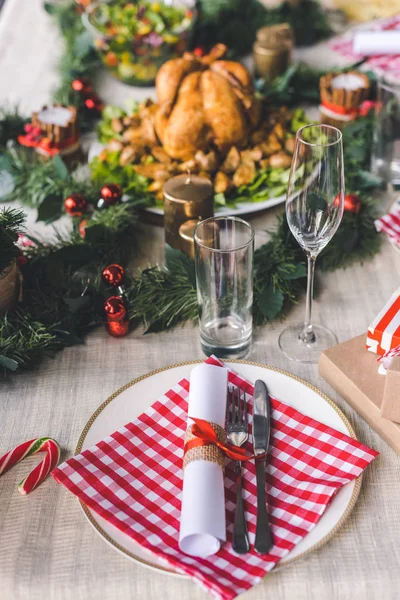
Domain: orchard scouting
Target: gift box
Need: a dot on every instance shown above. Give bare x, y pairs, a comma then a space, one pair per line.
352, 372
390, 408
384, 332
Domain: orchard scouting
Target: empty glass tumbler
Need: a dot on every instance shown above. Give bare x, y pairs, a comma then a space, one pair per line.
224, 248
386, 143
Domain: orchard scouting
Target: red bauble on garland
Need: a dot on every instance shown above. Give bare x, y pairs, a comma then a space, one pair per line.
113, 275
117, 323
118, 328
115, 308
82, 86
91, 100
111, 193
93, 103
352, 203
76, 205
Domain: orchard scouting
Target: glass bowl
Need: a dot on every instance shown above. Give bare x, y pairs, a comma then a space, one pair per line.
134, 39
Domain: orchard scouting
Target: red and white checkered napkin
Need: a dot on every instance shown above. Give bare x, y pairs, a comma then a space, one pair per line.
380, 64
133, 478
390, 223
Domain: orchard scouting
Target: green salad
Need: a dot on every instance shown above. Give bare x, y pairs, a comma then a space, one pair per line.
135, 39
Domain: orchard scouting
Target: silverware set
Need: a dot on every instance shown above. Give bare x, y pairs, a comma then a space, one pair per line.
237, 433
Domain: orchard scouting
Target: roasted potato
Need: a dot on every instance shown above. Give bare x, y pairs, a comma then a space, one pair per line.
232, 161
221, 183
245, 173
281, 160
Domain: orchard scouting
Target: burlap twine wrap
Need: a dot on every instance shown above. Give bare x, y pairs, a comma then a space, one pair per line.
210, 453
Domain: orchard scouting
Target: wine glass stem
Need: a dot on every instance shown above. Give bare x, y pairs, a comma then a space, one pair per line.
307, 335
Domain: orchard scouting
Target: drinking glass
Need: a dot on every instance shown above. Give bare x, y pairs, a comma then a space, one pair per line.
386, 142
224, 248
314, 209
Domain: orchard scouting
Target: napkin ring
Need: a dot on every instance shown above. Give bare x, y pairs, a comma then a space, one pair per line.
209, 452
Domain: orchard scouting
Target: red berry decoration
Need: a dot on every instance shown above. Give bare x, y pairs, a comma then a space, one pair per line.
76, 205
111, 193
93, 103
113, 275
81, 85
352, 203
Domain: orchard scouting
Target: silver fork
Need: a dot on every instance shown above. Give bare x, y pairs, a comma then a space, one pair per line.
237, 434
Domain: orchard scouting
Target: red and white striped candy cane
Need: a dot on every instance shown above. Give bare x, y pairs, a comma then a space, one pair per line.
40, 472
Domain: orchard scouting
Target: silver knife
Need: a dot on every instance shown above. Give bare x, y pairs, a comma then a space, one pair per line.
261, 432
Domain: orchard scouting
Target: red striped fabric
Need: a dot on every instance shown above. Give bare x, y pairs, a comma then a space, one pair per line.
390, 224
133, 478
390, 353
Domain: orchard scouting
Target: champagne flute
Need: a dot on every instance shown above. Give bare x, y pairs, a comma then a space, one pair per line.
314, 209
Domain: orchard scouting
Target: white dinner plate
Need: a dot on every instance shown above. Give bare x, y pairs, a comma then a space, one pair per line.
135, 397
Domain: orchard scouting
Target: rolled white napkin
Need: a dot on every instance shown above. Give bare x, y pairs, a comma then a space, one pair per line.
373, 43
202, 526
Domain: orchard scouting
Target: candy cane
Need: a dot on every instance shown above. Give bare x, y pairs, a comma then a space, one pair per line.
40, 472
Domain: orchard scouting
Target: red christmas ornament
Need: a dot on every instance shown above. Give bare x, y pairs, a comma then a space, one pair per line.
117, 320
115, 308
352, 203
76, 205
118, 328
111, 193
82, 227
21, 260
93, 103
113, 275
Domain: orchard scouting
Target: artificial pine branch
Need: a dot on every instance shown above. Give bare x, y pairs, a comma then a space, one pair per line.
24, 342
298, 84
11, 224
11, 125
235, 22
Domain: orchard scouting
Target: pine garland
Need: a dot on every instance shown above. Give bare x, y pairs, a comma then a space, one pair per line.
63, 292
55, 314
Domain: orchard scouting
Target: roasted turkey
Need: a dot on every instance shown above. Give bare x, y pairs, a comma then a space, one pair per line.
204, 101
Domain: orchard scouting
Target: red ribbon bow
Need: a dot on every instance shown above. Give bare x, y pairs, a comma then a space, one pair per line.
362, 110
206, 436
